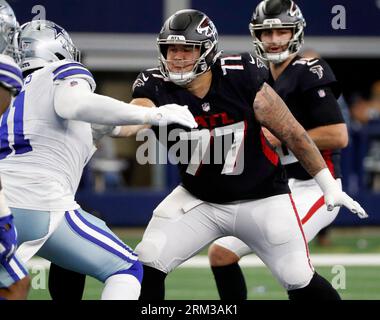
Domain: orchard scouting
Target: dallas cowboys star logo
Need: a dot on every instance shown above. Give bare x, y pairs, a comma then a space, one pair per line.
58, 30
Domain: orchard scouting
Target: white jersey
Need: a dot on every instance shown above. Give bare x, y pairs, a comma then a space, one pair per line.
42, 155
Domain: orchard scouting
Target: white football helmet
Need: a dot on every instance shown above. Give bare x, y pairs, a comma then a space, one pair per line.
8, 29
43, 42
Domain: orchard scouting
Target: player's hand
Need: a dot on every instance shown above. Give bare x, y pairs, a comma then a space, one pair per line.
8, 238
171, 113
271, 138
336, 198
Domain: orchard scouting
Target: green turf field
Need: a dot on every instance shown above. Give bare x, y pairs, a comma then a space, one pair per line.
361, 282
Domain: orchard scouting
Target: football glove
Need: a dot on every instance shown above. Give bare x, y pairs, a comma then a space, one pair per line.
8, 238
335, 197
171, 113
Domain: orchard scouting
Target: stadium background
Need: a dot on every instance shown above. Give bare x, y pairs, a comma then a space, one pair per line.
117, 40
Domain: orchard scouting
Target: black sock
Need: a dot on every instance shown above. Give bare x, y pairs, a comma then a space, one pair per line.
230, 282
153, 284
318, 289
65, 284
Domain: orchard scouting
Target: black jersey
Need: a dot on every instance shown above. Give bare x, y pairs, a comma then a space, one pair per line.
310, 90
249, 168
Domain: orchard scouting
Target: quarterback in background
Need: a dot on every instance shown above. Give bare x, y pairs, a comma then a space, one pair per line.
310, 90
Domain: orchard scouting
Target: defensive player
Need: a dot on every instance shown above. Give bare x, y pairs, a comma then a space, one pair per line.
10, 85
46, 140
245, 195
310, 90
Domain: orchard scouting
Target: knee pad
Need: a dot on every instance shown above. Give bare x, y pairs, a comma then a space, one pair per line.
294, 271
149, 249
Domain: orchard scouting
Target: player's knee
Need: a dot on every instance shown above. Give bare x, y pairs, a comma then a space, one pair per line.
220, 256
135, 270
19, 290
150, 248
294, 271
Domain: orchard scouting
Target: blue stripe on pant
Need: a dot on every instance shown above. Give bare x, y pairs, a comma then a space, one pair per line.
85, 244
11, 272
81, 242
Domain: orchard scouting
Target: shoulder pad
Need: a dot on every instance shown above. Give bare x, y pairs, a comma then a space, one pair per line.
314, 72
70, 69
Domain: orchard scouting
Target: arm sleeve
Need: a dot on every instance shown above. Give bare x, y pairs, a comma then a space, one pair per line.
74, 100
323, 106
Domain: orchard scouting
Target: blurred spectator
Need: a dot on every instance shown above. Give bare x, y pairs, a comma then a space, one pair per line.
363, 110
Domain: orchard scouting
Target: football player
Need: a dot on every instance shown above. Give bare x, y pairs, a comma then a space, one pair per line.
310, 90
46, 140
16, 286
246, 195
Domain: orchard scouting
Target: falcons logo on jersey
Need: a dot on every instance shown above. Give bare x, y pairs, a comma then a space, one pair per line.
318, 70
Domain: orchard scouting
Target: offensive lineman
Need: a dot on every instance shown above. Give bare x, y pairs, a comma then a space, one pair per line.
243, 195
46, 140
309, 88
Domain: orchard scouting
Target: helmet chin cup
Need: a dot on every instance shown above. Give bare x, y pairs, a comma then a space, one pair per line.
277, 58
181, 79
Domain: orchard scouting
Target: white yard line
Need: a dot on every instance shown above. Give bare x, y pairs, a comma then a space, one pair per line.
367, 259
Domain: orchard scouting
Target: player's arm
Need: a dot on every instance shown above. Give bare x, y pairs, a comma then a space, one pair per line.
131, 130
333, 136
5, 99
74, 100
273, 113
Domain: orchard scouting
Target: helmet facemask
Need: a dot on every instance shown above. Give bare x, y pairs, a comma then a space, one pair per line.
200, 64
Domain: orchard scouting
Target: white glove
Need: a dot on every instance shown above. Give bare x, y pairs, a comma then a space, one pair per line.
334, 196
170, 113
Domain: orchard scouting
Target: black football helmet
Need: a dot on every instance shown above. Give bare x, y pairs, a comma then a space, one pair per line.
277, 14
188, 27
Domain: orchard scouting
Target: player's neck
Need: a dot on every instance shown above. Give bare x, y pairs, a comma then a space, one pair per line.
200, 85
278, 69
